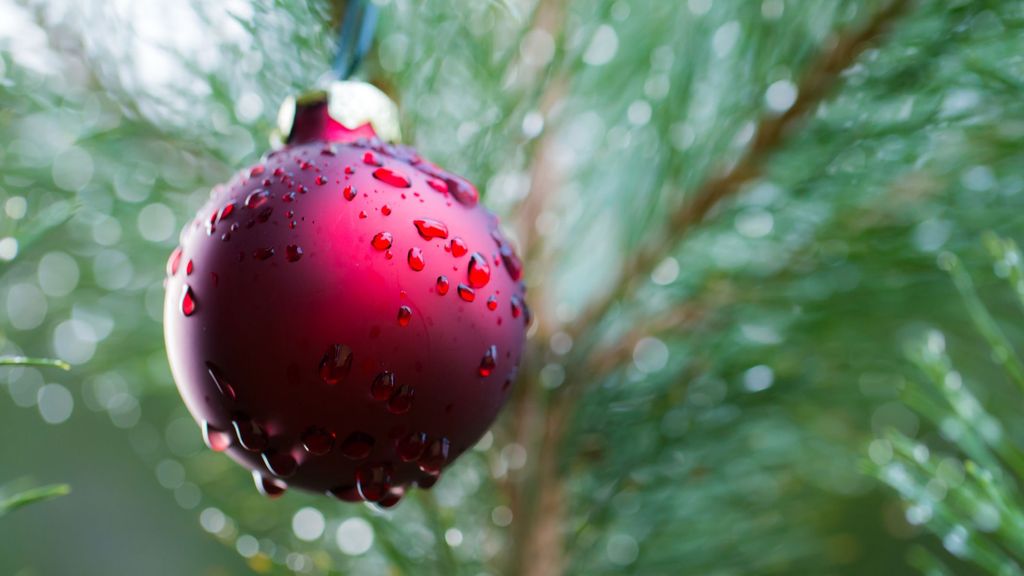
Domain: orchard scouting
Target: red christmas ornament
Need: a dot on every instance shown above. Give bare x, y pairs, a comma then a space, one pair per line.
309, 322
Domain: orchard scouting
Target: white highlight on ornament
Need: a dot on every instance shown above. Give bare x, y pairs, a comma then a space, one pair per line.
308, 524
8, 248
650, 355
354, 536
603, 46
758, 378
55, 403
780, 95
666, 272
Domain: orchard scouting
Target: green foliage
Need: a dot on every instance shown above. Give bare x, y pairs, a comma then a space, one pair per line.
23, 498
961, 479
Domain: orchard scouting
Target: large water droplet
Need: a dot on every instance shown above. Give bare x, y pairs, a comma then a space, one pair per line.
262, 253
280, 464
257, 199
430, 229
369, 158
335, 364
269, 487
227, 210
189, 268
293, 252
442, 285
174, 261
257, 170
385, 210
435, 456
404, 315
218, 440
427, 481
345, 493
373, 482
489, 361
320, 180
401, 401
383, 386
249, 434
466, 293
479, 271
188, 301
410, 447
439, 185
517, 306
357, 445
349, 192
317, 441
459, 248
492, 303
416, 260
392, 177
381, 241
223, 386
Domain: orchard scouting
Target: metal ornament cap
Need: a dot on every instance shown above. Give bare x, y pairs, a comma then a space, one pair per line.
349, 109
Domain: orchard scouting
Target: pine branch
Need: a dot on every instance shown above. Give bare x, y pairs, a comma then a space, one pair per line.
770, 135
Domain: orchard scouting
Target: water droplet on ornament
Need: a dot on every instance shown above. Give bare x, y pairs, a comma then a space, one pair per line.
373, 482
517, 306
489, 361
262, 253
439, 185
227, 210
435, 456
267, 486
335, 364
401, 401
293, 252
512, 262
381, 241
349, 192
466, 293
174, 261
320, 180
256, 170
442, 285
357, 445
362, 214
345, 493
404, 315
288, 197
492, 303
370, 159
264, 214
216, 439
256, 199
479, 272
385, 210
249, 434
392, 498
223, 386
349, 171
188, 301
410, 447
392, 177
459, 248
430, 229
416, 261
280, 464
317, 441
383, 386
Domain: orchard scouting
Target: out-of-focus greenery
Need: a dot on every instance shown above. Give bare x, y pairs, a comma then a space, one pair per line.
702, 378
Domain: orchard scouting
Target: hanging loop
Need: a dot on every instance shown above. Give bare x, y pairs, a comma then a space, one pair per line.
355, 36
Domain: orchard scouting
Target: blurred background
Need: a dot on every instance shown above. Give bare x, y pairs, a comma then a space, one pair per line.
770, 246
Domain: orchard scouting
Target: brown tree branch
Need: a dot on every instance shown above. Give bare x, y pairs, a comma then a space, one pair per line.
771, 133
